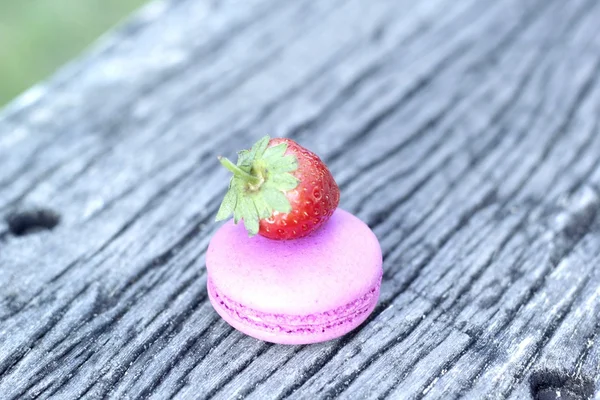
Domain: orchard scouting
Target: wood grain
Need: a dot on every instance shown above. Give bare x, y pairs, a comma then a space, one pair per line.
464, 133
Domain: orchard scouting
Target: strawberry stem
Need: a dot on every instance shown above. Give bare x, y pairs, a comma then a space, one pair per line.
240, 173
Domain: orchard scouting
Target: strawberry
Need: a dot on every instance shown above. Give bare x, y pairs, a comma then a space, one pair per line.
279, 189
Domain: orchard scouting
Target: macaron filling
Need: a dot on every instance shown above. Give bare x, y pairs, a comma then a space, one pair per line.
297, 324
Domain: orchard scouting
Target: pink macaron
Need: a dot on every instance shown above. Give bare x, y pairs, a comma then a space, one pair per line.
300, 291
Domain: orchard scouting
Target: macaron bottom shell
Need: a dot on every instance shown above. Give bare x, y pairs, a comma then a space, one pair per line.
294, 329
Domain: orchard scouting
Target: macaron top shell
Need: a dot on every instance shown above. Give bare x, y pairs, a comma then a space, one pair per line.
330, 268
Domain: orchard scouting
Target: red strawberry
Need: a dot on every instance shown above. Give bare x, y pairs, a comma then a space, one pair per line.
280, 190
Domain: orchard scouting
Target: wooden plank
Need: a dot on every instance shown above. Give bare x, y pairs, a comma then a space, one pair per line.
465, 134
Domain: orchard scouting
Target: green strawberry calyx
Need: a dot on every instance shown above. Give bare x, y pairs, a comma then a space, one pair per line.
257, 188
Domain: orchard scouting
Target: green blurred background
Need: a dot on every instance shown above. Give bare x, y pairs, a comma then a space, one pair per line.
38, 36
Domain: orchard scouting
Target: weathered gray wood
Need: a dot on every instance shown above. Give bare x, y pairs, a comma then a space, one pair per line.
464, 132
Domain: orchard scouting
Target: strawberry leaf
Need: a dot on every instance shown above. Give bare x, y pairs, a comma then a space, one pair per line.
277, 200
227, 206
283, 182
284, 164
259, 147
257, 150
236, 186
273, 153
245, 160
238, 213
262, 207
250, 216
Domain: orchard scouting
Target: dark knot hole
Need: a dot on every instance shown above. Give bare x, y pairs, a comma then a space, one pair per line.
557, 385
30, 221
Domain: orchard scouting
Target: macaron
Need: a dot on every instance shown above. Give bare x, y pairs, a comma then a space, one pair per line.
301, 291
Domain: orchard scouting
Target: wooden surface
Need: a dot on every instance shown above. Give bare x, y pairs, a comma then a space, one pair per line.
465, 133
